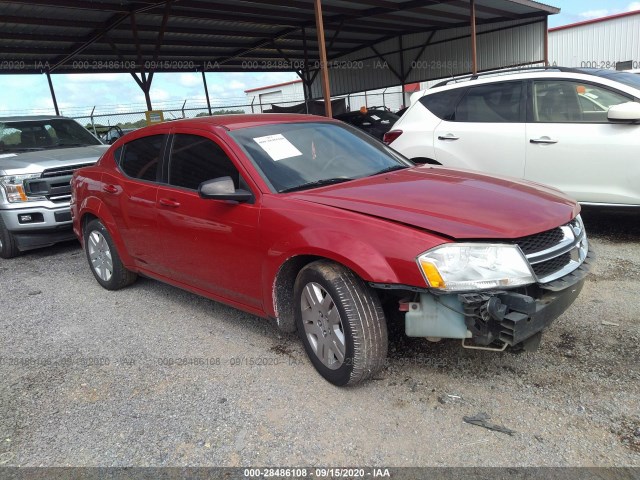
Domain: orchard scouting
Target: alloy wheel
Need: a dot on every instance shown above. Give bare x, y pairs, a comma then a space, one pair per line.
100, 255
323, 325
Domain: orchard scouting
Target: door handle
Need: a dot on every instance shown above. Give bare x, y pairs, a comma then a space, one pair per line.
543, 140
110, 189
448, 136
165, 202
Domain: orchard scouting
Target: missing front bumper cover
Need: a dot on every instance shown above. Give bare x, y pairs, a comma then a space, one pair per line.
493, 319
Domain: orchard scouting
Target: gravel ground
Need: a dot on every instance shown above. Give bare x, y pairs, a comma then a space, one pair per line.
154, 376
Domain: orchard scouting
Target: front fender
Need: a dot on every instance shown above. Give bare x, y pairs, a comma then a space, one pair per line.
349, 250
354, 252
377, 250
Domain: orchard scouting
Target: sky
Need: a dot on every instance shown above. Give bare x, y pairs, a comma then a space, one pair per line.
78, 93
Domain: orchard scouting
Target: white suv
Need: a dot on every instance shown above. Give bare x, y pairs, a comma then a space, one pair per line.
577, 130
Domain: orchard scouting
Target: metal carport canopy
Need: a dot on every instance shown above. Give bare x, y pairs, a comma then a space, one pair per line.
150, 36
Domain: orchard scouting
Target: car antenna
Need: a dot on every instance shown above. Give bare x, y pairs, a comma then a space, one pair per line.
452, 75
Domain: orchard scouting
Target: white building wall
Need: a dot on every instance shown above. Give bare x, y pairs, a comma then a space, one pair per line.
262, 99
599, 45
292, 93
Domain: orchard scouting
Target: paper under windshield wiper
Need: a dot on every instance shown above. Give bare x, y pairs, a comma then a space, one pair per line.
317, 183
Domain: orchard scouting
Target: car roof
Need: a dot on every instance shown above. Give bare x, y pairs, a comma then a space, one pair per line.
603, 77
239, 121
27, 118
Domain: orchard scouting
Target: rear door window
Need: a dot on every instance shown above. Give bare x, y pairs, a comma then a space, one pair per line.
141, 158
493, 103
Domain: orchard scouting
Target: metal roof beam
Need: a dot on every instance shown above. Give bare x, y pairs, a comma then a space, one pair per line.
481, 8
20, 20
391, 69
110, 24
75, 4
340, 19
122, 41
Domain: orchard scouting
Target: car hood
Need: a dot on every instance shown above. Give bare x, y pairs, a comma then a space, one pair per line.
37, 161
455, 203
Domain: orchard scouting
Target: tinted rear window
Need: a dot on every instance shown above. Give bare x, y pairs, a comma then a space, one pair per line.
141, 157
493, 102
443, 104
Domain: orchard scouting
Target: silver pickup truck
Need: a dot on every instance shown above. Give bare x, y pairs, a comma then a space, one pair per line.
38, 155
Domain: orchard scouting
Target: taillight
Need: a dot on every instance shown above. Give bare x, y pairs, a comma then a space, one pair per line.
391, 135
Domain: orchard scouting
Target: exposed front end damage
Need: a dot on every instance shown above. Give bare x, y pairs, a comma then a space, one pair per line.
558, 262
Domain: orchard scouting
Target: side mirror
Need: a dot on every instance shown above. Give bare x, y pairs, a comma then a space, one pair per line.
624, 113
222, 188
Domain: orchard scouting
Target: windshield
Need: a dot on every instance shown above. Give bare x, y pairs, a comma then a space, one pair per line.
381, 116
20, 136
296, 156
372, 117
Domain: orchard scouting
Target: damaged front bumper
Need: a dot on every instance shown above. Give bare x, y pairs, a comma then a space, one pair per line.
495, 319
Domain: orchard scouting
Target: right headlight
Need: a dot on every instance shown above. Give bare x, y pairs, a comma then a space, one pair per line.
475, 266
13, 186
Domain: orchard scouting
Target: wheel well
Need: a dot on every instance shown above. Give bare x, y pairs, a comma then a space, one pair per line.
283, 290
423, 160
283, 286
86, 218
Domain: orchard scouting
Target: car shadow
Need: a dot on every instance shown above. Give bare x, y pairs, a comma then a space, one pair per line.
62, 248
617, 225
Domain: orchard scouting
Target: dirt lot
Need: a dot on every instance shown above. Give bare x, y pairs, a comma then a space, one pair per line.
154, 376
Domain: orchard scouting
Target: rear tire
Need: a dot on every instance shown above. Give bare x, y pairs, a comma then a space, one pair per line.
8, 243
103, 258
341, 323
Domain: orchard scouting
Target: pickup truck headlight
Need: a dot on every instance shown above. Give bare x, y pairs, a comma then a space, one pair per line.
475, 266
13, 186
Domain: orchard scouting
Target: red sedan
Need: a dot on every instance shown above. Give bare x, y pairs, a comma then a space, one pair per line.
314, 224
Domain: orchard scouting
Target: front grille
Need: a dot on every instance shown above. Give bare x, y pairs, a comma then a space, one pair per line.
555, 253
540, 241
56, 182
543, 269
62, 171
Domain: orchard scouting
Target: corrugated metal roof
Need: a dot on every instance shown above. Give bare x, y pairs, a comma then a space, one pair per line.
80, 36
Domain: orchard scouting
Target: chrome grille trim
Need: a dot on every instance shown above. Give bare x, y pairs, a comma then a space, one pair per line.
568, 242
60, 198
574, 241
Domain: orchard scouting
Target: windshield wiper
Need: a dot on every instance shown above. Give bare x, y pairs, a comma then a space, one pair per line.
62, 145
392, 168
21, 149
317, 183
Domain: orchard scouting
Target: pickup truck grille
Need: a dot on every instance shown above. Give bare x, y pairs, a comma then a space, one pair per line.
54, 183
557, 252
62, 171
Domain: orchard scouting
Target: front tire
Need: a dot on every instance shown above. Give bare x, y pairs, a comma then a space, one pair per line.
8, 244
103, 258
341, 323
